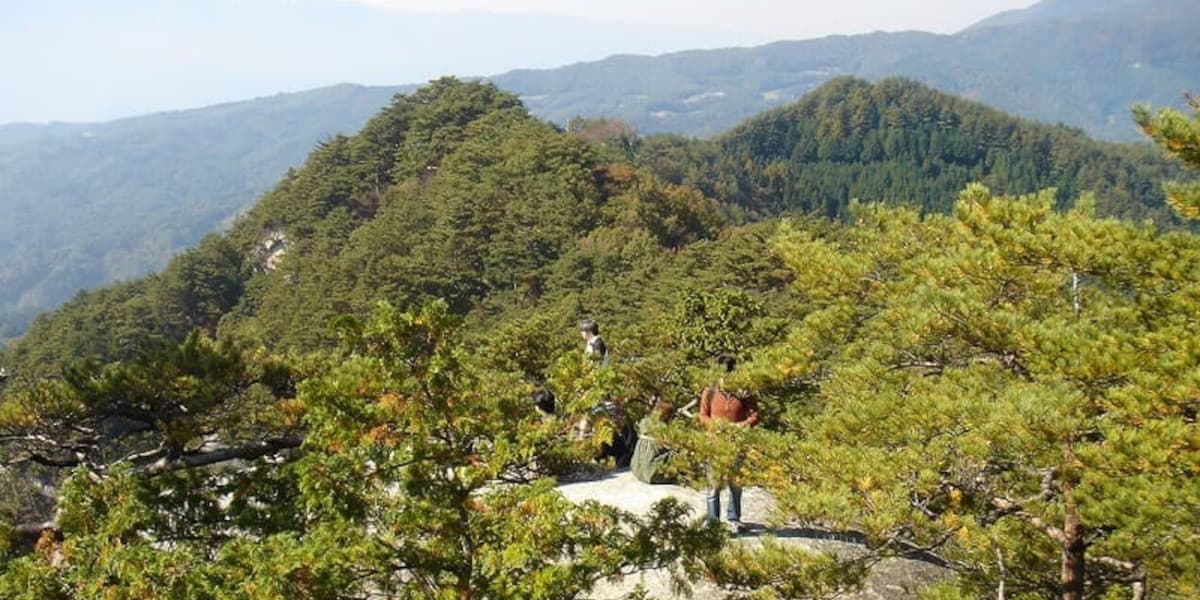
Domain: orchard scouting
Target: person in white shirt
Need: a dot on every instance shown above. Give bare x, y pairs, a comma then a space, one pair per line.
595, 348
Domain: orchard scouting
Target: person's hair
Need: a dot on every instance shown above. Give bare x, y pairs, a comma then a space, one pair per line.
589, 326
664, 411
727, 362
543, 400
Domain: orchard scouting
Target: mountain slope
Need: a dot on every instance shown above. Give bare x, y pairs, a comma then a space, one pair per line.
1049, 10
900, 141
1127, 11
454, 192
86, 204
457, 192
704, 92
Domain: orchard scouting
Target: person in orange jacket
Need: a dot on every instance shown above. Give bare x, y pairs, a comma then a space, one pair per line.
716, 404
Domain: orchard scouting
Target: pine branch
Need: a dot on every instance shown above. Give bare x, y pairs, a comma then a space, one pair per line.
1009, 507
203, 458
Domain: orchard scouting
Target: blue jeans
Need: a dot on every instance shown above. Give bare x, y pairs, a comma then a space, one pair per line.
718, 482
733, 511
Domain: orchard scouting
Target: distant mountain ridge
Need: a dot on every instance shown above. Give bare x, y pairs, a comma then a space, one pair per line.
85, 204
1082, 64
1049, 10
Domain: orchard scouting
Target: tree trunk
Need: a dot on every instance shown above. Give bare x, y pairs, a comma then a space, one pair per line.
1000, 593
468, 548
1073, 574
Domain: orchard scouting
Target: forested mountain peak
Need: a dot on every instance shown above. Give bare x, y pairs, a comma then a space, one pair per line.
451, 192
898, 140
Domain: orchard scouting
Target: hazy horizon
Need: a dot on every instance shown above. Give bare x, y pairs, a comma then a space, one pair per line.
74, 61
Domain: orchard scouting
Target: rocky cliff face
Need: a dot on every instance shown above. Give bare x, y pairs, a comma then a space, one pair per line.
271, 250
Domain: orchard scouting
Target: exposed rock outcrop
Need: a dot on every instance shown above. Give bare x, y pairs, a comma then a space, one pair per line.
891, 579
271, 249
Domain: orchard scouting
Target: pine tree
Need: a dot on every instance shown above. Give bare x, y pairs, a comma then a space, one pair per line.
421, 474
1012, 387
1179, 136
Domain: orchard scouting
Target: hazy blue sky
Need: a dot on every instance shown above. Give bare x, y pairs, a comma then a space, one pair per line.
86, 60
761, 19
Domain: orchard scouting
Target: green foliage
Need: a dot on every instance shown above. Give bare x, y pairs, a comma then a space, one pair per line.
174, 394
1027, 392
674, 215
201, 285
900, 142
145, 435
944, 591
410, 438
418, 479
108, 323
779, 571
1179, 136
713, 322
30, 578
487, 217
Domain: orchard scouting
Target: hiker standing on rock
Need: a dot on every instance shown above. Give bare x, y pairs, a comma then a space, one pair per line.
719, 406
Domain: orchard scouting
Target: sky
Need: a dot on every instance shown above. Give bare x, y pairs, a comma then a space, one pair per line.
89, 60
764, 20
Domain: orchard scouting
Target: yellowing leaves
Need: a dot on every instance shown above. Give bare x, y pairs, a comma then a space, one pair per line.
955, 496
963, 534
291, 411
383, 434
47, 546
476, 505
527, 508
391, 402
